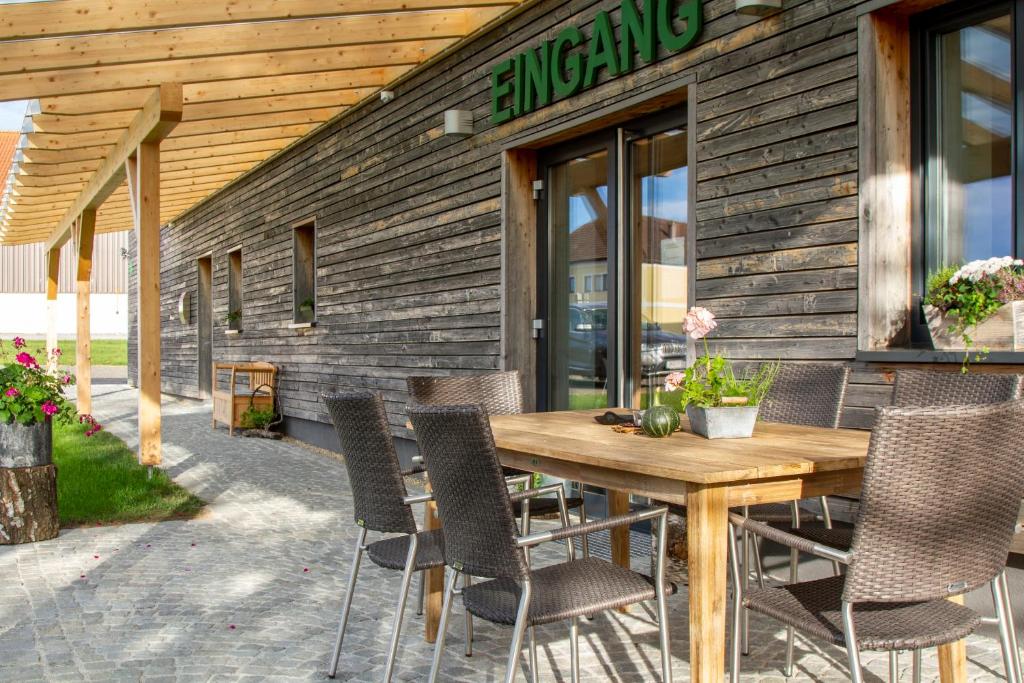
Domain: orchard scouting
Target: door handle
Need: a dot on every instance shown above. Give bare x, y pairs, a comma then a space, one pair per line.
538, 327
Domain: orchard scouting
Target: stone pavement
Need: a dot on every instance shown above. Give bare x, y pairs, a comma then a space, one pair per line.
252, 589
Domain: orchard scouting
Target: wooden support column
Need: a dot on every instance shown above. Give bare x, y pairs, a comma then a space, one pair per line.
144, 185
52, 289
85, 229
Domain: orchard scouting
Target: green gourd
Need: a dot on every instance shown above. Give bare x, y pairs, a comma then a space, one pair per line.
660, 421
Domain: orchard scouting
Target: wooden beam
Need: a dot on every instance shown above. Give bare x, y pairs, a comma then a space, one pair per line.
128, 76
85, 228
52, 289
100, 51
69, 17
144, 185
157, 118
228, 90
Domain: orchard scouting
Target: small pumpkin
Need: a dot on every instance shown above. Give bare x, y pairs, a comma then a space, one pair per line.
659, 421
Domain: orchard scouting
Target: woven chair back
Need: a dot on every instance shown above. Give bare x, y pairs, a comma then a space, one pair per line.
941, 493
930, 388
807, 394
372, 463
472, 498
500, 393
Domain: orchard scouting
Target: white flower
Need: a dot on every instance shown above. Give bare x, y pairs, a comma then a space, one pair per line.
976, 270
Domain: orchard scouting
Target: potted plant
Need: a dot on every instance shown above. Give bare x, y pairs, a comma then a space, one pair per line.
977, 305
306, 310
31, 398
233, 318
719, 405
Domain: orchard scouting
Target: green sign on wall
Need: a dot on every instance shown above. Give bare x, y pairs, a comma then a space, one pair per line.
570, 63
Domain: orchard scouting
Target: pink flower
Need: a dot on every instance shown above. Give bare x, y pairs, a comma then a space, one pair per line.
50, 408
674, 381
19, 342
699, 322
12, 392
66, 379
56, 353
27, 360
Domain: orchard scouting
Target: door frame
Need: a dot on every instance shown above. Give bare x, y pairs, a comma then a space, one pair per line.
204, 276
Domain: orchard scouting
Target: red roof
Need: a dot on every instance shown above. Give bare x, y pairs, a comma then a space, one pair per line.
8, 143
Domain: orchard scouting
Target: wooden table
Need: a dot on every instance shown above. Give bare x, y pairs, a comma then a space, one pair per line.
780, 463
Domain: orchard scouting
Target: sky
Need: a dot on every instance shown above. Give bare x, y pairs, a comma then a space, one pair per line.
11, 114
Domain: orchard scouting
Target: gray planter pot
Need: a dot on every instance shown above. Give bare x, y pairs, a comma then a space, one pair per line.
26, 445
723, 423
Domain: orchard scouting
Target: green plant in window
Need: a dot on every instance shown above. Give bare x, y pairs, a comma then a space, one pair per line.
971, 294
306, 309
233, 316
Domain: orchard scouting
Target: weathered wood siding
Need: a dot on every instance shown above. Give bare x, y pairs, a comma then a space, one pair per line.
408, 223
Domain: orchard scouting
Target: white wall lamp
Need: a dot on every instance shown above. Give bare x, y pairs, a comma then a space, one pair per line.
758, 8
386, 96
458, 122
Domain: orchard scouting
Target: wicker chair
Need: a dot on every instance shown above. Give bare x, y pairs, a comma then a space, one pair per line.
380, 503
500, 393
941, 494
481, 538
803, 394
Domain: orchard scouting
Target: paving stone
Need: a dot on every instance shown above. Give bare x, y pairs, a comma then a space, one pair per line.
225, 597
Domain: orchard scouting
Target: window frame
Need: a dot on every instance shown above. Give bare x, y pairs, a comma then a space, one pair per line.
236, 289
299, 231
925, 28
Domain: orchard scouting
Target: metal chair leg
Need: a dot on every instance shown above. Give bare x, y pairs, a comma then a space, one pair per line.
522, 617
826, 516
737, 607
532, 646
743, 614
583, 520
524, 525
852, 649
574, 649
794, 577
442, 627
894, 666
423, 591
917, 666
347, 602
659, 593
1015, 651
403, 594
758, 569
467, 581
999, 598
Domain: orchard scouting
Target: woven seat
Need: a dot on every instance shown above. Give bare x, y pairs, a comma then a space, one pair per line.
815, 608
781, 513
838, 537
560, 592
391, 553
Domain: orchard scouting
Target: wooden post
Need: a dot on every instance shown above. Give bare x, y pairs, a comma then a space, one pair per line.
707, 518
84, 232
52, 289
953, 657
144, 181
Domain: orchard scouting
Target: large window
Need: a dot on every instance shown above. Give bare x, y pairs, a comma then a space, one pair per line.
967, 68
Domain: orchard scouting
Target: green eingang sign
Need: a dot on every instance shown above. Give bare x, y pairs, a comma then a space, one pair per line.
570, 63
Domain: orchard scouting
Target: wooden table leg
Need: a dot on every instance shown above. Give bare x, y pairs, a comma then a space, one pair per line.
618, 504
953, 657
435, 582
707, 523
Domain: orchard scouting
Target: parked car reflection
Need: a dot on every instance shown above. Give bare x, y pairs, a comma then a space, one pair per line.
661, 351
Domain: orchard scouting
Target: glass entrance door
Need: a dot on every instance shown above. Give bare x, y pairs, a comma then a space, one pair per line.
615, 265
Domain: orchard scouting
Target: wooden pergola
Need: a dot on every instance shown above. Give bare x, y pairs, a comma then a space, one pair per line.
146, 107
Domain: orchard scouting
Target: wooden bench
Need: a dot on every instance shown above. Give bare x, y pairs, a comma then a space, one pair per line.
258, 391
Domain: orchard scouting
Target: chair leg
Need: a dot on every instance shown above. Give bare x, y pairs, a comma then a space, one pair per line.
524, 525
574, 649
467, 581
794, 576
442, 627
522, 617
403, 594
583, 520
1008, 646
852, 649
826, 516
659, 594
737, 607
532, 646
347, 602
758, 569
894, 666
917, 666
423, 591
1015, 650
744, 616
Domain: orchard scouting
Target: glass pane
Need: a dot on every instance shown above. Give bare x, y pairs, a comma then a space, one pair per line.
972, 190
659, 217
578, 283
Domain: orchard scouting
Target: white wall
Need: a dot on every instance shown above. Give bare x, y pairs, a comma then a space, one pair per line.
25, 314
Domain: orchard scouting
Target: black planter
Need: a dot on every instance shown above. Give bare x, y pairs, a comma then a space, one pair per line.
26, 445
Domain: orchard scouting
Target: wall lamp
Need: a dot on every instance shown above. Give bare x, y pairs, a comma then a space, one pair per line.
758, 8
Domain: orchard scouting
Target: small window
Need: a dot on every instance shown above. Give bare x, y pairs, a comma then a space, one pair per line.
588, 283
234, 314
304, 273
572, 284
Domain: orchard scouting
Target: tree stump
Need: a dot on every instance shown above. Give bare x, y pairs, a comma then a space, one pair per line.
28, 504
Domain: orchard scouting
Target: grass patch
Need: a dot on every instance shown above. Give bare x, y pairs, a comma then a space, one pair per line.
100, 481
104, 351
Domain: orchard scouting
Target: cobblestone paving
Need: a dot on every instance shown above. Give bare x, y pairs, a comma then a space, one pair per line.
251, 590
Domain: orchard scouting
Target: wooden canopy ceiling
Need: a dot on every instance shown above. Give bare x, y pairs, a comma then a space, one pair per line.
255, 74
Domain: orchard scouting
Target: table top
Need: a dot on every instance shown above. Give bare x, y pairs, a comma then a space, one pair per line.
775, 450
